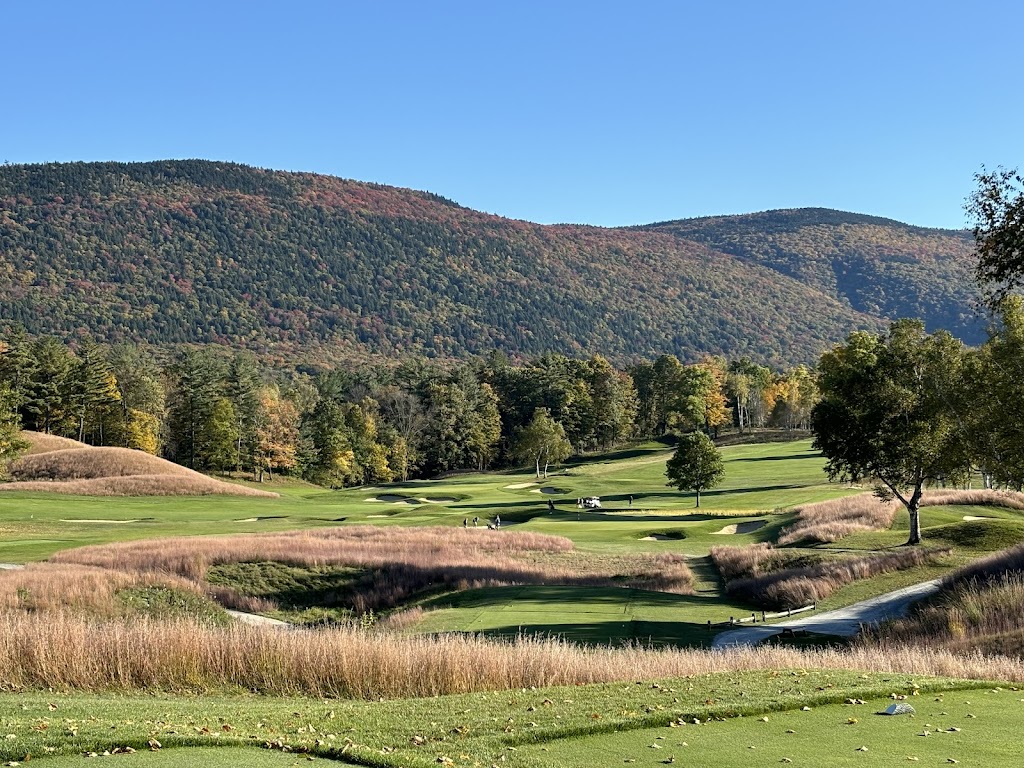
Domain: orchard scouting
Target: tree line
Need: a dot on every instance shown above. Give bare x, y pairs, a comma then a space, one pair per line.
218, 410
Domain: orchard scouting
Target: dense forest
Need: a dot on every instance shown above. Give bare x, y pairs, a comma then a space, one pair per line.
219, 410
877, 266
304, 267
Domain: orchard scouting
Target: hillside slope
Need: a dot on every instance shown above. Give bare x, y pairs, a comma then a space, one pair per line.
877, 266
197, 251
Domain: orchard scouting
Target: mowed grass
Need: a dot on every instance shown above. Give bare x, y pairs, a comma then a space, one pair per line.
961, 726
562, 726
758, 478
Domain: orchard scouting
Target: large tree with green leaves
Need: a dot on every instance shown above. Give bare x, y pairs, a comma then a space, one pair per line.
542, 442
11, 443
997, 209
888, 413
696, 464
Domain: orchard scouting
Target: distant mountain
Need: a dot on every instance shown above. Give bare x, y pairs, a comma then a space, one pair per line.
305, 266
876, 266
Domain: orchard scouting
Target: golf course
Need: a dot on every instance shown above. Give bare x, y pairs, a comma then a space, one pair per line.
426, 633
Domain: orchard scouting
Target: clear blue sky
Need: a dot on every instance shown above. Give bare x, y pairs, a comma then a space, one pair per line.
591, 112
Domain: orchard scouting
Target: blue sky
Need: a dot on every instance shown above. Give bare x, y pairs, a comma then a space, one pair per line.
590, 112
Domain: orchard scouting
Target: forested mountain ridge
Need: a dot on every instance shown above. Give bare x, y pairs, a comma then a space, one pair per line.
877, 266
300, 264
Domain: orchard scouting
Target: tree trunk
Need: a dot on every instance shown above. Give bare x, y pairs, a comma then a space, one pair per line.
698, 498
537, 466
914, 510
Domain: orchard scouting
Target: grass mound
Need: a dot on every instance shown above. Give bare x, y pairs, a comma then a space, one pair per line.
88, 471
40, 442
987, 535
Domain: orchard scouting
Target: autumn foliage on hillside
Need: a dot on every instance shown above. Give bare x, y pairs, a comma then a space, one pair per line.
195, 251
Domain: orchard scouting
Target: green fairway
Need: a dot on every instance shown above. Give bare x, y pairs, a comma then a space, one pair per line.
758, 478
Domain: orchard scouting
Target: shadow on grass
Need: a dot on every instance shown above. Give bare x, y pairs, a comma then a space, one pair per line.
676, 634
808, 455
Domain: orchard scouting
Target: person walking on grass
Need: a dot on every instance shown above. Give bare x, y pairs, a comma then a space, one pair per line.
497, 521
551, 506
476, 521
465, 522
631, 500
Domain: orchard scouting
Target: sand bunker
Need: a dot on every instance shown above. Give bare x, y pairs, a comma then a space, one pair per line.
437, 499
658, 537
518, 486
975, 517
749, 527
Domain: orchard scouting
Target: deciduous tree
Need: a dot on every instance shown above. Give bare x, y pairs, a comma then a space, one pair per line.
888, 413
696, 464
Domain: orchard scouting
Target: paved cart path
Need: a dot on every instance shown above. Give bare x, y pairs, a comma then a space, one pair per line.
842, 621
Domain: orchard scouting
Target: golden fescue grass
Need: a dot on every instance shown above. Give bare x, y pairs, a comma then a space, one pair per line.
91, 471
40, 442
829, 521
66, 652
980, 497
758, 573
88, 463
401, 561
970, 614
46, 588
140, 485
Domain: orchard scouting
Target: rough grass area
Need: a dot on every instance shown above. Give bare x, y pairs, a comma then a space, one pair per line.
829, 521
114, 472
46, 588
553, 726
977, 609
67, 652
40, 442
765, 577
394, 564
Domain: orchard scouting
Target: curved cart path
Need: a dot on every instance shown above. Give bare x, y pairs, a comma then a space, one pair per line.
842, 621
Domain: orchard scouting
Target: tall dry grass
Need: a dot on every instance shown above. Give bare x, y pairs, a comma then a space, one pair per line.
399, 562
968, 615
67, 652
990, 568
140, 485
112, 472
758, 573
46, 588
829, 521
40, 442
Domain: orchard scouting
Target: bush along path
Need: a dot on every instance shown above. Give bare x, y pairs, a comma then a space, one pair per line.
843, 622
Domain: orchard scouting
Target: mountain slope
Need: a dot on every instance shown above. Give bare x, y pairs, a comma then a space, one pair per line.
300, 264
878, 266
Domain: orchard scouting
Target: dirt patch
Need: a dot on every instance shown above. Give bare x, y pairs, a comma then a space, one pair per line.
518, 486
748, 527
